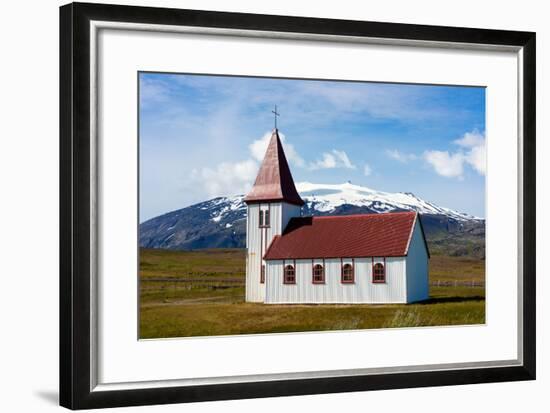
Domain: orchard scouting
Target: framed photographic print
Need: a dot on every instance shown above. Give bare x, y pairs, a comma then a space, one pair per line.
257, 206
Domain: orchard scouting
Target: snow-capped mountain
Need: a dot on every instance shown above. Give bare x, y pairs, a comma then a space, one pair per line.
326, 198
220, 222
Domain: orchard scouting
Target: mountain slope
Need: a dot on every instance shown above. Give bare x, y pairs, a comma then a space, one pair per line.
220, 222
327, 198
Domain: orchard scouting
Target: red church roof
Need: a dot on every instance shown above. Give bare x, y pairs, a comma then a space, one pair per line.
274, 181
347, 236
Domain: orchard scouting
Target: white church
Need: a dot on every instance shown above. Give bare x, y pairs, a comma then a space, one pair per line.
351, 259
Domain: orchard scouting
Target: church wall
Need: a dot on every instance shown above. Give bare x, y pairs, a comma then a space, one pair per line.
255, 291
258, 240
275, 212
334, 291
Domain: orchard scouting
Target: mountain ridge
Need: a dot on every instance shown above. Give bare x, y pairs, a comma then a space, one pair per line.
220, 222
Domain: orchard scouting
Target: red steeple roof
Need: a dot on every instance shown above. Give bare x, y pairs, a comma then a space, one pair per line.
274, 181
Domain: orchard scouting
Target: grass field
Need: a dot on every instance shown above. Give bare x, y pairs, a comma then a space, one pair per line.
198, 293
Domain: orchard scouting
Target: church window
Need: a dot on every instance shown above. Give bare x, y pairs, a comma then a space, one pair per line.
347, 274
289, 275
263, 220
379, 273
262, 274
318, 274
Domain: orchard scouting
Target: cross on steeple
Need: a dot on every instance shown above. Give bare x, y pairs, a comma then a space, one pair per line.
275, 114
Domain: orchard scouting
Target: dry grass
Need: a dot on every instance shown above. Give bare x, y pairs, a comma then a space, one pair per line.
201, 293
460, 269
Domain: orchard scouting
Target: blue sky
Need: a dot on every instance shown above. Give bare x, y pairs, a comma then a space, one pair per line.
204, 136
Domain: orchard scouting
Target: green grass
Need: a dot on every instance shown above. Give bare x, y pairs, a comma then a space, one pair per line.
462, 269
200, 293
220, 263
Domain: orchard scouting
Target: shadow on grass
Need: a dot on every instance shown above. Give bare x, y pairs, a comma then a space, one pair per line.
441, 300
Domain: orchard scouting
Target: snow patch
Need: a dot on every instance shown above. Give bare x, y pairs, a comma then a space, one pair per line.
229, 204
328, 197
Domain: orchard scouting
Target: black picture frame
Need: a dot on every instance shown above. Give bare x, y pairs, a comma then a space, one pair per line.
75, 219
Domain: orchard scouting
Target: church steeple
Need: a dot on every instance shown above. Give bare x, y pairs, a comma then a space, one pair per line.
274, 181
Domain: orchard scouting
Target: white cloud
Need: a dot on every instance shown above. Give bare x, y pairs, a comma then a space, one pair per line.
367, 170
446, 164
230, 178
259, 146
471, 140
331, 160
328, 161
400, 156
452, 164
343, 158
476, 153
477, 158
227, 178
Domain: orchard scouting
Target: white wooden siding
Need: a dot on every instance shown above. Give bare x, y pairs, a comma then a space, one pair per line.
406, 277
275, 223
255, 291
417, 267
363, 291
258, 240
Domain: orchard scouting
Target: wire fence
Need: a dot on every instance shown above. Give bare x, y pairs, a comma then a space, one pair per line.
457, 283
